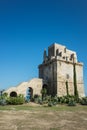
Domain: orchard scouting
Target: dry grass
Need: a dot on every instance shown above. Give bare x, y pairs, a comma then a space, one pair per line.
34, 117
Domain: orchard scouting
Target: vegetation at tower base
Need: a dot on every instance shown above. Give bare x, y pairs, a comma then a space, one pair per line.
67, 89
50, 101
75, 81
44, 93
83, 101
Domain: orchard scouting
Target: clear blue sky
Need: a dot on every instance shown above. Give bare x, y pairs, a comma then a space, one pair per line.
29, 26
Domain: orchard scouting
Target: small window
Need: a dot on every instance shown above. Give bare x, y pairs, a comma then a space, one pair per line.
60, 54
57, 52
72, 56
63, 57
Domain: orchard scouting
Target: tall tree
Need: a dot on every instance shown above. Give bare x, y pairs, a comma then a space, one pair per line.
67, 89
75, 80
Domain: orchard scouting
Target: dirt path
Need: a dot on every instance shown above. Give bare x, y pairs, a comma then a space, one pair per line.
43, 120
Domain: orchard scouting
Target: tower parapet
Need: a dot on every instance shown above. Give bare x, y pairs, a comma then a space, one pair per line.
57, 51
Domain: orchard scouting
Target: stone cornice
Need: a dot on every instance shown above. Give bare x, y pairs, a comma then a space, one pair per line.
55, 60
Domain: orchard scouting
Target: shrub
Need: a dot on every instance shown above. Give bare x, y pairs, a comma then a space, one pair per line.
44, 93
3, 102
62, 99
3, 99
67, 99
50, 104
5, 94
36, 96
16, 100
54, 100
83, 101
72, 102
37, 99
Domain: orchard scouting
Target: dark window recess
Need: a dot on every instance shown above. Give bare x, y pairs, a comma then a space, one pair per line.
57, 52
13, 94
63, 57
60, 54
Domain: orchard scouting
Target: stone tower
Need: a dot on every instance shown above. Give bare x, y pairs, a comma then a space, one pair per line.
57, 69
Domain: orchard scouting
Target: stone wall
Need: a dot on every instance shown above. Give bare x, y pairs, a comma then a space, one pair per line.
36, 84
79, 76
65, 73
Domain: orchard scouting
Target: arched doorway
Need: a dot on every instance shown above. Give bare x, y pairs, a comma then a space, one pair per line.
29, 93
13, 94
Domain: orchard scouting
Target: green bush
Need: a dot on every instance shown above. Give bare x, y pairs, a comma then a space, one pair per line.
50, 104
36, 96
3, 99
16, 100
72, 102
67, 99
3, 102
38, 99
64, 99
83, 101
54, 100
44, 93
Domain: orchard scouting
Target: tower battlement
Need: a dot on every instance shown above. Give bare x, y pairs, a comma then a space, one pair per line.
57, 51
